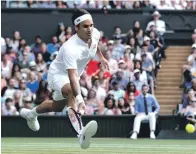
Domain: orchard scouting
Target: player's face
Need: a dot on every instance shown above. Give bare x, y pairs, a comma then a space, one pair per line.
85, 29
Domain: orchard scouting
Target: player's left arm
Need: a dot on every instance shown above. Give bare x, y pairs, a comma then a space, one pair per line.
103, 61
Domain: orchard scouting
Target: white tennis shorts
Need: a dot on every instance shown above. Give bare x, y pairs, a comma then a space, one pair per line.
56, 83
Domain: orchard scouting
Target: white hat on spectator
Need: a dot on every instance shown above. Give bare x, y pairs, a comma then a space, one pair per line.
156, 13
110, 42
136, 71
127, 47
32, 63
27, 99
121, 61
146, 38
194, 45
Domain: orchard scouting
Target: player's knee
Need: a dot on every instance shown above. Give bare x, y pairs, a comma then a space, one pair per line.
66, 90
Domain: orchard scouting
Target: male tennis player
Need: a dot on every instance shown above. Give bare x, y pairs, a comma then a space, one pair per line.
64, 74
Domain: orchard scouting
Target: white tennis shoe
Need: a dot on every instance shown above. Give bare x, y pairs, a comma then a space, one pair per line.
87, 132
32, 122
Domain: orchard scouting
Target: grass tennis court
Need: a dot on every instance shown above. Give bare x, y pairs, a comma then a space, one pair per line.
98, 146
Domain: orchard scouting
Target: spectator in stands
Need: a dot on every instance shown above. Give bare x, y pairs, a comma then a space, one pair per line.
54, 46
103, 81
127, 75
14, 43
136, 5
131, 88
100, 92
163, 5
61, 31
88, 4
150, 46
17, 4
3, 83
25, 92
3, 45
113, 65
36, 48
43, 92
30, 55
22, 44
128, 58
91, 99
46, 4
45, 53
118, 49
116, 91
16, 68
32, 83
105, 3
159, 24
60, 4
24, 63
40, 63
9, 109
17, 100
191, 5
131, 102
133, 47
143, 74
6, 66
123, 106
138, 82
143, 110
110, 103
102, 110
191, 63
28, 104
175, 6
147, 5
32, 4
118, 4
69, 33
10, 89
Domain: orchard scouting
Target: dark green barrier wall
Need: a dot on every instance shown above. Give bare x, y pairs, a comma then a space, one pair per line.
58, 126
31, 22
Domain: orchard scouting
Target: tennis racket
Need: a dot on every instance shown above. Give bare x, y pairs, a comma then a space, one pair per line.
75, 120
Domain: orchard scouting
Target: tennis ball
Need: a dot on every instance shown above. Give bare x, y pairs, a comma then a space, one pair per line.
190, 128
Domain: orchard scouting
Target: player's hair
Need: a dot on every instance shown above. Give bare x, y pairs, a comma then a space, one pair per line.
78, 13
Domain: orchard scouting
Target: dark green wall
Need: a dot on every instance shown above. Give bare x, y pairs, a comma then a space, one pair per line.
58, 126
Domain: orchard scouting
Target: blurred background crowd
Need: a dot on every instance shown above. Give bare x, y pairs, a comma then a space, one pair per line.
106, 4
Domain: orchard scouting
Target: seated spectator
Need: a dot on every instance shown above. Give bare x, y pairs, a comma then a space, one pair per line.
103, 81
127, 75
128, 58
138, 82
36, 48
6, 67
131, 102
61, 31
100, 92
33, 83
9, 109
146, 4
3, 83
69, 32
85, 81
3, 45
46, 4
122, 82
191, 63
150, 46
133, 47
40, 63
131, 88
32, 4
123, 107
14, 43
159, 24
25, 92
175, 6
28, 104
15, 68
137, 5
43, 92
45, 53
24, 63
54, 46
60, 4
102, 110
143, 109
118, 49
22, 45
88, 4
110, 103
163, 5
10, 89
30, 55
91, 99
128, 4
116, 91
113, 65
17, 100
17, 4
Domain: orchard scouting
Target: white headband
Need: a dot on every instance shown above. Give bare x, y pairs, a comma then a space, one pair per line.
82, 18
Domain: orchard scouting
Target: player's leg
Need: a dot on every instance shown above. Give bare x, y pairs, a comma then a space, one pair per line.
87, 131
152, 124
137, 123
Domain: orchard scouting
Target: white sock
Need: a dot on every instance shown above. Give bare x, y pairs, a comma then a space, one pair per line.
33, 113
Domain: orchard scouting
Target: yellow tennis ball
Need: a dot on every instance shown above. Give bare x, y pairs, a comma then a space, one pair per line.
190, 128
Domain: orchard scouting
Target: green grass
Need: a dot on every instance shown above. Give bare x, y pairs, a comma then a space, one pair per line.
98, 146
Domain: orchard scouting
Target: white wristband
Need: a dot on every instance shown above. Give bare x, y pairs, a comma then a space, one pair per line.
79, 99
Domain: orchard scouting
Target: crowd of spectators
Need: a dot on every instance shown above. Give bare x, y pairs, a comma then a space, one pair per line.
134, 60
188, 106
105, 4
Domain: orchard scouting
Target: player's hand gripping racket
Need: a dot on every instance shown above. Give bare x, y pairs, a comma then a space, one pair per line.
75, 120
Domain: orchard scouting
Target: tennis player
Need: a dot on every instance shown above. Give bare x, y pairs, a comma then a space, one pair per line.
64, 74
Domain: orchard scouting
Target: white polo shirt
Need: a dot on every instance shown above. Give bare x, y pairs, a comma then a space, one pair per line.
75, 54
